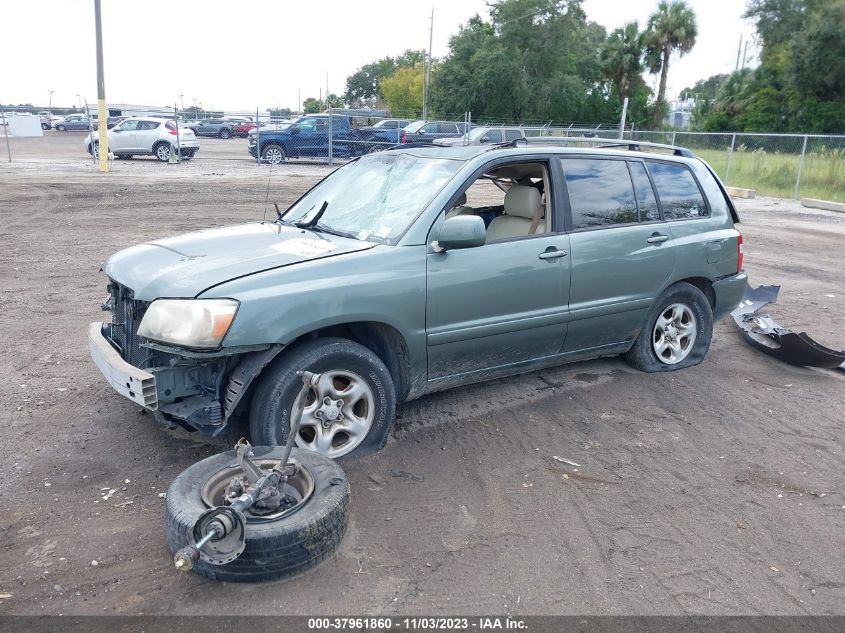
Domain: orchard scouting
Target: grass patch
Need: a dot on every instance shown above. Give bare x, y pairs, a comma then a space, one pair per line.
773, 173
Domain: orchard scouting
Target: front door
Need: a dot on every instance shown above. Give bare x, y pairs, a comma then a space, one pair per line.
502, 304
622, 253
122, 136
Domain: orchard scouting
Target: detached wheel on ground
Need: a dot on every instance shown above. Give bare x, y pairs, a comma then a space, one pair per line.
348, 414
273, 154
162, 151
275, 547
677, 331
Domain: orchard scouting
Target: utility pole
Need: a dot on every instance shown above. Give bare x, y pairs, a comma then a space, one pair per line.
738, 51
328, 104
745, 54
427, 70
102, 126
79, 101
182, 102
50, 99
622, 120
299, 101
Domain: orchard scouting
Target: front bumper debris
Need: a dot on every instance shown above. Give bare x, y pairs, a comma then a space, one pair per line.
129, 381
770, 337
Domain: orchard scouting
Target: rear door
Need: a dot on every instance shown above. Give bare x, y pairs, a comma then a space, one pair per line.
147, 135
621, 250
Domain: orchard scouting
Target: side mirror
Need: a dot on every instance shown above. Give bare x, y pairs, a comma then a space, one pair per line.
461, 231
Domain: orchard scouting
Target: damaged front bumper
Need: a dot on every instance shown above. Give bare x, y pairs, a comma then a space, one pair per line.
769, 336
197, 391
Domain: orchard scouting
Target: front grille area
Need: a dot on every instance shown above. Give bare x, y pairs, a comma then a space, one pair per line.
126, 317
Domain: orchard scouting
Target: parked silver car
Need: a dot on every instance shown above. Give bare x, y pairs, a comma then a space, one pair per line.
484, 136
146, 135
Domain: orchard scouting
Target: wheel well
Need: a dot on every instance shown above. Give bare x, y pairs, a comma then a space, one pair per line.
382, 340
705, 285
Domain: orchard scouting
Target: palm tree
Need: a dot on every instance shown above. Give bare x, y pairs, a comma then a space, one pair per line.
671, 28
622, 57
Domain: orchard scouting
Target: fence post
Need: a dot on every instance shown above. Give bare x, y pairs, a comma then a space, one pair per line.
6, 134
673, 137
257, 138
800, 167
730, 157
331, 138
178, 141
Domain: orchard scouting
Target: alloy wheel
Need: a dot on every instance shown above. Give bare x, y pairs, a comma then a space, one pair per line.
674, 333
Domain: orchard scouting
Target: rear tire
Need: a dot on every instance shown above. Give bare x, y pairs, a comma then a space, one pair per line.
225, 133
94, 149
61, 128
162, 151
682, 335
276, 548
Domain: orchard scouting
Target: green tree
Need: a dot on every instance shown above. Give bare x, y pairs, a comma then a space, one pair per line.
363, 85
403, 91
280, 112
672, 28
310, 106
622, 57
533, 61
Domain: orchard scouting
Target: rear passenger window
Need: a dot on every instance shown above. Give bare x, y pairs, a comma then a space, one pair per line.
679, 194
600, 192
646, 202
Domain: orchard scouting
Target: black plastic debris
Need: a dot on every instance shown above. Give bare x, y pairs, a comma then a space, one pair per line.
769, 336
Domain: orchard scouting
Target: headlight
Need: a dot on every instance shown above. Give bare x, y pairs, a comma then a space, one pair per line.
188, 322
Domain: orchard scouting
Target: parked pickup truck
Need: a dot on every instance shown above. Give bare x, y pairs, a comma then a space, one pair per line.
308, 136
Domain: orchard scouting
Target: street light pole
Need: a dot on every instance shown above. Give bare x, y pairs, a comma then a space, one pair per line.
101, 92
50, 102
79, 101
182, 102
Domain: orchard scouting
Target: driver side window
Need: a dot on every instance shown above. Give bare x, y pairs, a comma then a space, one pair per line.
511, 199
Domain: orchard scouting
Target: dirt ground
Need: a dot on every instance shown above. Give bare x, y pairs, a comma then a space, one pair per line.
714, 490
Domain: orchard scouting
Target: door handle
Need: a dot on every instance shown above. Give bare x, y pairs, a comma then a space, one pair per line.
657, 238
553, 253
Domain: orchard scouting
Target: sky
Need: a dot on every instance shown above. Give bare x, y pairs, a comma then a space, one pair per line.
238, 56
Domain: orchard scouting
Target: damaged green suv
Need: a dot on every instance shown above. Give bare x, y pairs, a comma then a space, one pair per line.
418, 269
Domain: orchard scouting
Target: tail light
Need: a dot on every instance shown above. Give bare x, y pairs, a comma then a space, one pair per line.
402, 137
739, 254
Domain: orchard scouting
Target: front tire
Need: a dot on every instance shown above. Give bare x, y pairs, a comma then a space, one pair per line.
348, 414
224, 133
273, 154
677, 331
61, 128
276, 548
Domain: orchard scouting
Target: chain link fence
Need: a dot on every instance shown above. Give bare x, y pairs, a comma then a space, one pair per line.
780, 165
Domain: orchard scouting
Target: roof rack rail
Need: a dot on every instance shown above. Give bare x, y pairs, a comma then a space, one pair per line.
633, 146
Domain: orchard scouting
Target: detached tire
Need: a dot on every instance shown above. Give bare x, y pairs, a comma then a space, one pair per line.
347, 415
677, 331
274, 549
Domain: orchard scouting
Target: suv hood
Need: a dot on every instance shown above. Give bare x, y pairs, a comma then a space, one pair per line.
186, 265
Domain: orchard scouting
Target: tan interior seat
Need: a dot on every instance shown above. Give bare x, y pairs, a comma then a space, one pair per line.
523, 215
460, 208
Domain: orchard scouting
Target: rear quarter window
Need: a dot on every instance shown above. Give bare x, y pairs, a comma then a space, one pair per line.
678, 191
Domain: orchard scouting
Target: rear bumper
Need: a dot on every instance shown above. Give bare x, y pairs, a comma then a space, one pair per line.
729, 293
129, 381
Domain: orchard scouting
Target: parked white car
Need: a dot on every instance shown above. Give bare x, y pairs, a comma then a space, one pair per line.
146, 135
